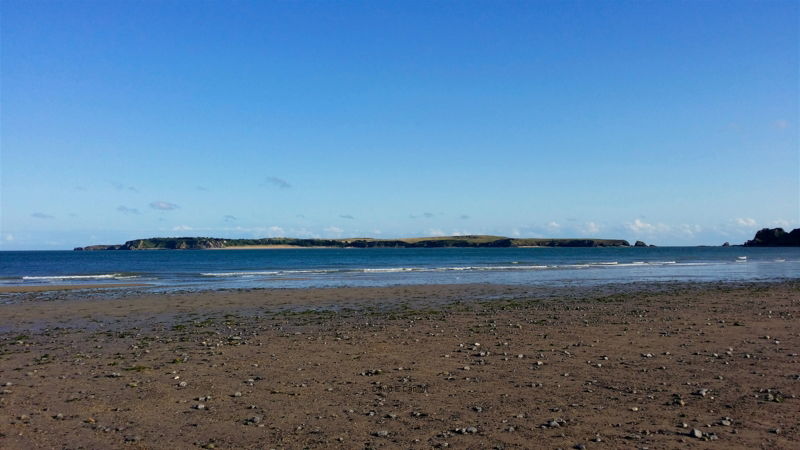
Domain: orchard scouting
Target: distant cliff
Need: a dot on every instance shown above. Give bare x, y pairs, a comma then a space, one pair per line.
775, 237
199, 243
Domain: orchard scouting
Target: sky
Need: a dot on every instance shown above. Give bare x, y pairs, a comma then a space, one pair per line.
671, 122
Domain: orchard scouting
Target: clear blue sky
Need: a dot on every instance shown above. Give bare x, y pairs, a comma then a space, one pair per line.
671, 122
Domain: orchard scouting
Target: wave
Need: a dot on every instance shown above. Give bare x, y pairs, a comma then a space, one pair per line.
515, 266
104, 276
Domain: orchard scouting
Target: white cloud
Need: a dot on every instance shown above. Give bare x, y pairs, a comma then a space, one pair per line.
9, 237
182, 228
435, 232
641, 227
746, 222
553, 226
164, 206
591, 228
781, 124
689, 230
782, 223
336, 231
275, 231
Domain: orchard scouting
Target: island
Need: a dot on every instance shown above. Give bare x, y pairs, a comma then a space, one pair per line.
482, 241
775, 237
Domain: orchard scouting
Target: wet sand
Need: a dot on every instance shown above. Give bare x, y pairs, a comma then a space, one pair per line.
65, 287
464, 366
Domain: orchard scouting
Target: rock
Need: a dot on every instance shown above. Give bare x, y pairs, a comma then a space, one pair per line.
380, 433
640, 244
775, 237
726, 244
695, 433
701, 392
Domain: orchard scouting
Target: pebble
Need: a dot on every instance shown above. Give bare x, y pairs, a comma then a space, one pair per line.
380, 433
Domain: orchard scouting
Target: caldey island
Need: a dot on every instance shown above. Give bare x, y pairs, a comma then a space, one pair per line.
200, 243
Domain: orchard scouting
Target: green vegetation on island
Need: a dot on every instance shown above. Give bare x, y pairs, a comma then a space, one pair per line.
199, 243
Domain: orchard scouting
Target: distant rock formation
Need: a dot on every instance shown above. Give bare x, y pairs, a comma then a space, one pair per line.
726, 244
775, 237
640, 244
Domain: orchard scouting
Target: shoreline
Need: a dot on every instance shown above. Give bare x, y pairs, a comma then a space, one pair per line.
19, 289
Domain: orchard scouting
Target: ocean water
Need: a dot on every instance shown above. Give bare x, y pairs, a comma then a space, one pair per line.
299, 268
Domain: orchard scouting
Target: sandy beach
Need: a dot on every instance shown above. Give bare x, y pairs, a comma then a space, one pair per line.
463, 366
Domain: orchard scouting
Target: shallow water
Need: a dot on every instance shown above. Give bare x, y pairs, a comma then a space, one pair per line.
297, 268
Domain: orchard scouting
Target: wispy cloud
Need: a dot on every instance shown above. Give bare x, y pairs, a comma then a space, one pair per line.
782, 124
275, 231
202, 188
182, 228
463, 217
335, 231
639, 226
277, 182
435, 232
591, 228
553, 226
41, 215
425, 215
126, 210
123, 187
346, 216
746, 222
229, 218
164, 206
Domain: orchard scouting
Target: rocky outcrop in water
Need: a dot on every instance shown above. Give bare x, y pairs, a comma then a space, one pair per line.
775, 237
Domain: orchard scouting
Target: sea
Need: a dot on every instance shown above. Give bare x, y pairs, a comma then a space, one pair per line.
181, 270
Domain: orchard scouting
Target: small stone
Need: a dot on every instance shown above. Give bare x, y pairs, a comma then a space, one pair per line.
695, 433
380, 433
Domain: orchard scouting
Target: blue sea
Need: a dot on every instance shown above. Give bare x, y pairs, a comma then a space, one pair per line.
166, 270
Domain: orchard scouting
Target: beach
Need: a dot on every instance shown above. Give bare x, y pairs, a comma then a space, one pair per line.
660, 365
